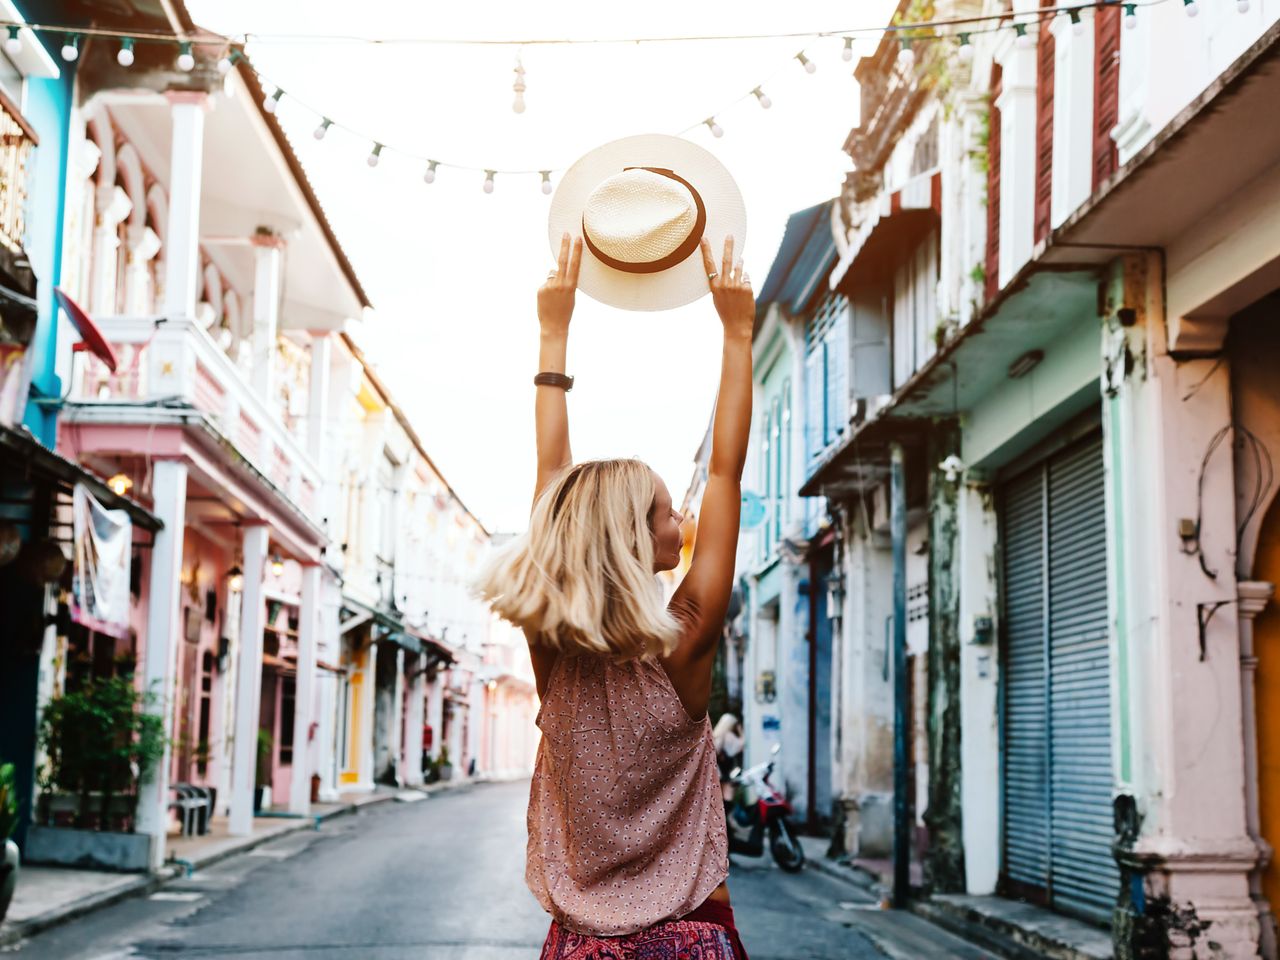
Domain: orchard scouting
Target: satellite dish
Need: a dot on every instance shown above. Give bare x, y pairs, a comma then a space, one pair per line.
753, 510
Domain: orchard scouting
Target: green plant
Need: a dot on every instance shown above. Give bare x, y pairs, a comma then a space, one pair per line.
444, 757
263, 772
102, 738
8, 801
979, 273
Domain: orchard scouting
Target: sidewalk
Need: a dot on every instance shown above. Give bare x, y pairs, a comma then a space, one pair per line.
48, 896
957, 925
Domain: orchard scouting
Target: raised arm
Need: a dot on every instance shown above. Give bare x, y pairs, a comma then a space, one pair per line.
551, 411
703, 596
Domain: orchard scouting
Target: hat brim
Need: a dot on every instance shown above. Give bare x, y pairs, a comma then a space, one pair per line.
687, 280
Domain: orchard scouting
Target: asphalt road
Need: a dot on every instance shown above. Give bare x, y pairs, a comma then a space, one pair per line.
440, 879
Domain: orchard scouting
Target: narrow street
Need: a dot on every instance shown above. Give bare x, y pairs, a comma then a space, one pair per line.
441, 879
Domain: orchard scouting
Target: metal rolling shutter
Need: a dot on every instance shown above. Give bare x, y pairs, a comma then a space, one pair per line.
1057, 707
1026, 808
1084, 877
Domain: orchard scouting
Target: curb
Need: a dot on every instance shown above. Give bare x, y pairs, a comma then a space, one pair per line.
853, 875
17, 931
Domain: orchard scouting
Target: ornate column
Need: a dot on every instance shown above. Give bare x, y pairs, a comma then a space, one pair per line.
113, 205
1254, 596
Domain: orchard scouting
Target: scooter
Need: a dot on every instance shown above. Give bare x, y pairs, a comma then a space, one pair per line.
758, 807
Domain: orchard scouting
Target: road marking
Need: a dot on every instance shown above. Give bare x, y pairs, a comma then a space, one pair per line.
409, 796
176, 896
272, 854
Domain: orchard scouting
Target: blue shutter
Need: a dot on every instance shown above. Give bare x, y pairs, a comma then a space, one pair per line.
814, 395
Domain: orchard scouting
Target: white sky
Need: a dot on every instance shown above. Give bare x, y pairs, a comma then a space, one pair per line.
453, 272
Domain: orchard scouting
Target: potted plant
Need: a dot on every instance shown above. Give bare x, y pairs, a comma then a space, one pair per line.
101, 741
262, 779
446, 768
8, 824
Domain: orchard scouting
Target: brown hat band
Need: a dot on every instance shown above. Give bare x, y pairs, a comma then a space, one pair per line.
675, 256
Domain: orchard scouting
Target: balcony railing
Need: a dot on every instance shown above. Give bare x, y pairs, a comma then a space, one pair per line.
17, 140
176, 361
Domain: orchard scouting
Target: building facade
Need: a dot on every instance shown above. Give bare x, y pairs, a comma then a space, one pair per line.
1048, 464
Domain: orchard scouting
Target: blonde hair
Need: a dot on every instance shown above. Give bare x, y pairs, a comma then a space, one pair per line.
581, 579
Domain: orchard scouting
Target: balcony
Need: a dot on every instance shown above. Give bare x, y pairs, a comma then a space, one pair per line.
167, 364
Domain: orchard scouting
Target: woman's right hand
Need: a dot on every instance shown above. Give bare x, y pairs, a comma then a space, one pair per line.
730, 291
556, 296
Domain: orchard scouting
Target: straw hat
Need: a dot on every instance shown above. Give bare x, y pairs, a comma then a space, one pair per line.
641, 204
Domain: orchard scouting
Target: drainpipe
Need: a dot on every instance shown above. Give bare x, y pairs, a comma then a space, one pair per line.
901, 801
812, 779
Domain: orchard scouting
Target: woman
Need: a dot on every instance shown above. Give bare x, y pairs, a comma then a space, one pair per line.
627, 846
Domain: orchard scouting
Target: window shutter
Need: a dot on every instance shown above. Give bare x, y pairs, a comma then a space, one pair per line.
814, 392
1106, 91
992, 265
836, 361
1044, 125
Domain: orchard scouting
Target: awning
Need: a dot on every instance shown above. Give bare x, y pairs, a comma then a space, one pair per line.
904, 218
805, 255
93, 339
20, 452
388, 628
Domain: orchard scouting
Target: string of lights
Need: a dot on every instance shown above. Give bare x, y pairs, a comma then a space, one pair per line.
229, 51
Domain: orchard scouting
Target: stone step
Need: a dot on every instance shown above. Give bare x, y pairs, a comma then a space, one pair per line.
1016, 930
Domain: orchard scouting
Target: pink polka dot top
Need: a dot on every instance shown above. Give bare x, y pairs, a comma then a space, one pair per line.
626, 820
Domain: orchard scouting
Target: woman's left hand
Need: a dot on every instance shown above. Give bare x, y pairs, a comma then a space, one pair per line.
556, 296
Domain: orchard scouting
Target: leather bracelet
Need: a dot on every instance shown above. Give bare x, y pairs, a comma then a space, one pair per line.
554, 380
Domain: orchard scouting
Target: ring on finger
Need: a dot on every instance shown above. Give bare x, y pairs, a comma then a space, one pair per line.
712, 275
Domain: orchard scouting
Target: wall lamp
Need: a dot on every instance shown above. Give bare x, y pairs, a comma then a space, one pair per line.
1025, 364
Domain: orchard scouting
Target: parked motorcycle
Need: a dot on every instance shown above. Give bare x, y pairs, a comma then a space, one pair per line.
758, 807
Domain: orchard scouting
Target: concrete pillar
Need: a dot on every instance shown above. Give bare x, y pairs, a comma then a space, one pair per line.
416, 710
980, 751
182, 234
318, 400
267, 275
253, 617
169, 496
330, 646
1017, 105
1178, 717
368, 704
228, 683
1072, 118
304, 701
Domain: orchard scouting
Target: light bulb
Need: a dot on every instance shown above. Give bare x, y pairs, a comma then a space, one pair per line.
1024, 41
847, 53
546, 182
488, 181
518, 103
13, 43
809, 65
1191, 7
124, 56
226, 62
1242, 6
906, 56
186, 62
430, 175
965, 53
320, 131
715, 128
374, 154
273, 101
763, 97
71, 49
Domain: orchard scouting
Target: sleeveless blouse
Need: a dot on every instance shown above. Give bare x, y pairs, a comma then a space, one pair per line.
626, 818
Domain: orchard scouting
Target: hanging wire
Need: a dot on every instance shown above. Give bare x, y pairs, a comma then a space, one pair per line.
233, 46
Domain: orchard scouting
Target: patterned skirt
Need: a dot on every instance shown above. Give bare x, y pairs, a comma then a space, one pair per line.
706, 934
